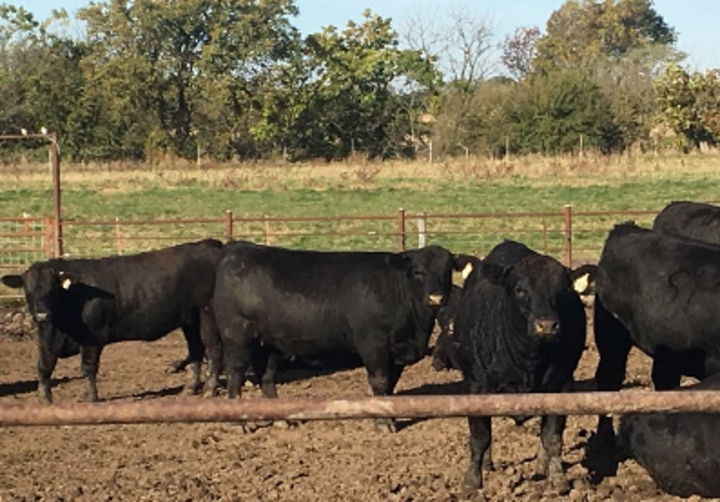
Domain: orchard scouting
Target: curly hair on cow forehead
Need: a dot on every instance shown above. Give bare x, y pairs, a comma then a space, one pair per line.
537, 262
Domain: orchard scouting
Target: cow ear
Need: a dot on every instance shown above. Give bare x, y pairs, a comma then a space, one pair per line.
12, 281
583, 278
495, 273
66, 280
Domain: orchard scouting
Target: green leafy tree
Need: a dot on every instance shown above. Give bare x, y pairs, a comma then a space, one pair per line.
356, 92
166, 69
584, 33
41, 80
555, 112
689, 104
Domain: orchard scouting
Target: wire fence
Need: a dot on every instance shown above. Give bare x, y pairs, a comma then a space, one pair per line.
574, 237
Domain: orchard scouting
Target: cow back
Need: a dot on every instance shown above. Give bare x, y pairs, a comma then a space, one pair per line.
306, 303
664, 289
137, 297
694, 220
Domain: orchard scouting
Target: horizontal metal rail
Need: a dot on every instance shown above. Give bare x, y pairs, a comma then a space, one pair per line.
226, 410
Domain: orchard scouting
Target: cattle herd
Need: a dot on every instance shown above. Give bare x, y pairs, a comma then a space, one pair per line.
518, 324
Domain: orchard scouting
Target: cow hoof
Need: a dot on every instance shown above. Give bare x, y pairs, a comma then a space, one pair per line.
385, 425
254, 425
193, 389
177, 366
473, 480
286, 424
557, 485
210, 393
601, 457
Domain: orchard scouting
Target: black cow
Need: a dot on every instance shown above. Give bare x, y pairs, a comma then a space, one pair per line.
660, 293
694, 220
82, 305
381, 306
443, 351
678, 450
520, 328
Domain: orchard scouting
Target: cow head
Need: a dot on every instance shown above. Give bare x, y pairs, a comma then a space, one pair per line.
44, 288
534, 286
430, 273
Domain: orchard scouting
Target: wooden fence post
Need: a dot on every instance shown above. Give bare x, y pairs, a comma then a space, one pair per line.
228, 225
401, 229
266, 226
48, 237
567, 214
118, 245
422, 235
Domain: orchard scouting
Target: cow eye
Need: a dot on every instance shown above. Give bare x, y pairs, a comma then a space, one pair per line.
520, 293
419, 274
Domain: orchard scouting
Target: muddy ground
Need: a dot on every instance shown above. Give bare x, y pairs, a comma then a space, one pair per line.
342, 460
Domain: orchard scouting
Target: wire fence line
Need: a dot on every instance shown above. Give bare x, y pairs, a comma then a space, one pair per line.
572, 236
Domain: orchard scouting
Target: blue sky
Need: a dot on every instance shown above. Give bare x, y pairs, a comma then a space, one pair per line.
695, 20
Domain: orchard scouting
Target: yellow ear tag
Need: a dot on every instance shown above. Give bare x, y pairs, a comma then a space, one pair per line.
66, 283
467, 271
581, 283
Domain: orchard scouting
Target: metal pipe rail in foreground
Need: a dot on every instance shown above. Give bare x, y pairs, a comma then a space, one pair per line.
226, 410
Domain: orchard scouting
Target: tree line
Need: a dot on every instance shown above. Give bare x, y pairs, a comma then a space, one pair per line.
236, 80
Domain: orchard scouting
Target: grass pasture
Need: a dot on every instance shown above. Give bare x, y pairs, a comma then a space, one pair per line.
178, 189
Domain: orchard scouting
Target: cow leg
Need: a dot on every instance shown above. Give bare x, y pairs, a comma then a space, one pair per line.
210, 337
549, 460
665, 375
382, 377
196, 351
441, 359
264, 363
46, 362
89, 364
613, 343
236, 356
480, 453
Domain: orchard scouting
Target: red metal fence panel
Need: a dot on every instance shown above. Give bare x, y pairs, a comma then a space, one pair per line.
571, 236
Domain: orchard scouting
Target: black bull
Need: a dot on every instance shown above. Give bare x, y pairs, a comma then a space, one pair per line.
520, 327
82, 305
657, 292
678, 450
380, 306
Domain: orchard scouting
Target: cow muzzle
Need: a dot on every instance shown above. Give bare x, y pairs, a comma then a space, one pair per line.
546, 328
435, 300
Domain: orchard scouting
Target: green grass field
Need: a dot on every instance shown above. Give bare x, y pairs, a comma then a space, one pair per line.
178, 190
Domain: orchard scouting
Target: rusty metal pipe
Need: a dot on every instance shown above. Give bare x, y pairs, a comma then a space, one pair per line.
225, 410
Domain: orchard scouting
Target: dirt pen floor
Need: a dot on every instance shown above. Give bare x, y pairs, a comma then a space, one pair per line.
340, 460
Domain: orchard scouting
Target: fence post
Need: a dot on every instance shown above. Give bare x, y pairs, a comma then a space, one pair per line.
118, 246
401, 229
266, 226
567, 214
48, 237
544, 233
57, 222
228, 225
422, 236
